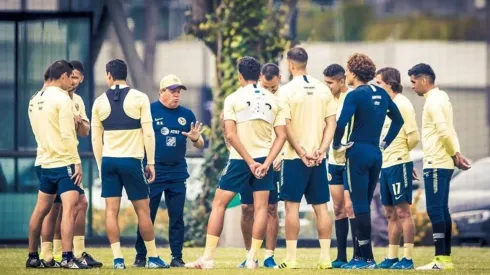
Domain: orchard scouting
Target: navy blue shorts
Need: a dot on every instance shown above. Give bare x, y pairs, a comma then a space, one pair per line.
297, 180
437, 186
362, 173
247, 196
237, 175
124, 172
58, 180
395, 184
336, 174
157, 188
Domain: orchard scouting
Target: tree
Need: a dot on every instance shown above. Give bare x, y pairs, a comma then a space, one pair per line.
231, 29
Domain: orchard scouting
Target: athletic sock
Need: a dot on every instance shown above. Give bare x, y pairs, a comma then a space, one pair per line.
78, 246
268, 253
57, 247
47, 251
324, 250
363, 223
439, 237
393, 251
151, 249
355, 244
211, 244
447, 236
341, 231
291, 250
116, 250
255, 247
408, 251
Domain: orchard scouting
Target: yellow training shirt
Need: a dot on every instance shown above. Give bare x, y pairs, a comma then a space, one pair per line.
79, 107
308, 102
256, 112
397, 152
437, 109
51, 116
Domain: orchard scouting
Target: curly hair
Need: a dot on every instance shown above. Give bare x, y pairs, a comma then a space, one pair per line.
362, 66
391, 76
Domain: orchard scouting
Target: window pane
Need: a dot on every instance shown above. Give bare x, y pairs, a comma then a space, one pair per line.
26, 173
7, 168
42, 42
7, 75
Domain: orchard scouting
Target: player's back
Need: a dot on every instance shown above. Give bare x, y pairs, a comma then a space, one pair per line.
54, 124
309, 103
256, 111
371, 105
121, 111
33, 115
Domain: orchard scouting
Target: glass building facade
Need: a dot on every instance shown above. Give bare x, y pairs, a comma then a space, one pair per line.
34, 34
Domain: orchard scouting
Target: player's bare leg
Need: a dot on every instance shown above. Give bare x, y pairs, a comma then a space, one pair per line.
43, 206
112, 206
259, 228
408, 225
145, 226
79, 234
324, 227
246, 223
69, 200
48, 232
271, 234
292, 231
215, 226
341, 224
57, 236
394, 237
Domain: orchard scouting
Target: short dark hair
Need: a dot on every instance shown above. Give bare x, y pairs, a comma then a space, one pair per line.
334, 71
391, 76
58, 68
298, 54
270, 70
46, 74
117, 68
362, 66
422, 69
77, 65
249, 68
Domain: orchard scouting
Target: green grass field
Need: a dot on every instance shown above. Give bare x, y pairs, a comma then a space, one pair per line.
467, 261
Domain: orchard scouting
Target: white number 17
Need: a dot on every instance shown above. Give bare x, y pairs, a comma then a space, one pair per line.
396, 188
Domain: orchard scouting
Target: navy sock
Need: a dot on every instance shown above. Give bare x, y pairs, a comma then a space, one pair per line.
447, 236
342, 230
68, 255
439, 237
355, 244
33, 255
363, 222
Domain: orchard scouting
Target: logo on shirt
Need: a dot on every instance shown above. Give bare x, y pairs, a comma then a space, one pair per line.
159, 121
329, 177
77, 107
164, 131
182, 121
171, 141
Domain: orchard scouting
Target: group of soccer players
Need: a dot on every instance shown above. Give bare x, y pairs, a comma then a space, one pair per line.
283, 134
305, 138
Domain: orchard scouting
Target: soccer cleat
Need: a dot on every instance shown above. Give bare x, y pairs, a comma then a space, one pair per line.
73, 264
51, 264
324, 265
201, 263
119, 263
434, 265
362, 264
403, 264
251, 264
447, 262
269, 262
387, 263
34, 263
242, 265
351, 263
58, 258
287, 265
338, 263
139, 262
177, 262
89, 260
156, 262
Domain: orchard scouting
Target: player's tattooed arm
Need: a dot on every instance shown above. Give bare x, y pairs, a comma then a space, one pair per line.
222, 123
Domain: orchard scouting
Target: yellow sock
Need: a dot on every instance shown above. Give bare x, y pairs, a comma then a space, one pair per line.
47, 251
116, 250
78, 246
269, 253
324, 250
151, 248
291, 250
408, 251
57, 250
393, 251
256, 244
211, 243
